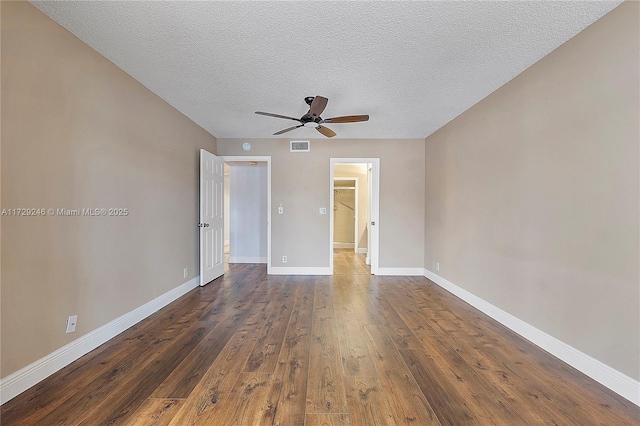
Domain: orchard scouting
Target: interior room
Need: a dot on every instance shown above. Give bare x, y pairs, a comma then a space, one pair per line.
428, 213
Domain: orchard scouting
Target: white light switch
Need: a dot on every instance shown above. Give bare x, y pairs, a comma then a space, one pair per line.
323, 210
280, 209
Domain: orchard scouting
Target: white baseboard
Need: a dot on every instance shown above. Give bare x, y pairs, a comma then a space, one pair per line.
240, 259
300, 270
343, 245
618, 382
361, 250
419, 272
16, 383
367, 260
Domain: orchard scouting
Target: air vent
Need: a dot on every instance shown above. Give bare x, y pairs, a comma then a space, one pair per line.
300, 146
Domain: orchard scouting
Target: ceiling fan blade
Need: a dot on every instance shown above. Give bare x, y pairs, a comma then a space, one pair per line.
346, 119
326, 131
287, 130
278, 116
318, 105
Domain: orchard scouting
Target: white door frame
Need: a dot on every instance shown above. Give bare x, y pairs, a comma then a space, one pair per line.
369, 191
264, 159
355, 209
374, 199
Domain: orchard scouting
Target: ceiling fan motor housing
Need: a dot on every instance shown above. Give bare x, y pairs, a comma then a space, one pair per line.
310, 118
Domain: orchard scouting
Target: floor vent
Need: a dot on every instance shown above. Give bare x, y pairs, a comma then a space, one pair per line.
300, 146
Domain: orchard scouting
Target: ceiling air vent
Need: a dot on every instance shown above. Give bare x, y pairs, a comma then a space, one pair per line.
300, 146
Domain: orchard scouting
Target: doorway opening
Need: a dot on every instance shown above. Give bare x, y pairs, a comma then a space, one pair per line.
346, 232
247, 218
354, 198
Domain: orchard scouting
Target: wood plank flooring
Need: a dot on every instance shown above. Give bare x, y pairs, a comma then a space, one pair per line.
350, 349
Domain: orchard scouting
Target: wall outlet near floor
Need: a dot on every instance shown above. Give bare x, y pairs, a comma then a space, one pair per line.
437, 266
185, 273
71, 323
284, 259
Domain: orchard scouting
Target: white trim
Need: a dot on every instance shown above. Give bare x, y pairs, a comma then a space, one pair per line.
419, 272
343, 245
361, 250
240, 259
16, 383
374, 197
267, 159
301, 270
618, 382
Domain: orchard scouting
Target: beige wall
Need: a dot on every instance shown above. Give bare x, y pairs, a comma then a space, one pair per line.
300, 181
77, 132
532, 194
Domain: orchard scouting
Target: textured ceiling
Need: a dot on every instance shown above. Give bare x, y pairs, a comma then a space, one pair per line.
412, 66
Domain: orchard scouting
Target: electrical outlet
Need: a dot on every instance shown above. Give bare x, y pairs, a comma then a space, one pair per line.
284, 259
323, 210
185, 273
71, 323
437, 266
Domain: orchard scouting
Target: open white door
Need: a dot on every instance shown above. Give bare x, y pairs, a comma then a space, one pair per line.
211, 217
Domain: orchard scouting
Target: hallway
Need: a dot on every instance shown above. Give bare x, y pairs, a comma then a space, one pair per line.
346, 262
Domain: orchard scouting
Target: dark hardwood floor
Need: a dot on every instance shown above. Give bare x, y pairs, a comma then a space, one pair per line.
351, 349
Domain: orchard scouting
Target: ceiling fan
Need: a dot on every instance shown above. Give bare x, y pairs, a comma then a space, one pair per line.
312, 118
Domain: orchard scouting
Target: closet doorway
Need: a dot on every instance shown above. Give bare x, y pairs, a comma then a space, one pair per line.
345, 214
354, 201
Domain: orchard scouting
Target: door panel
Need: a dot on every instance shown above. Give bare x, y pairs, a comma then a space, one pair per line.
211, 217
